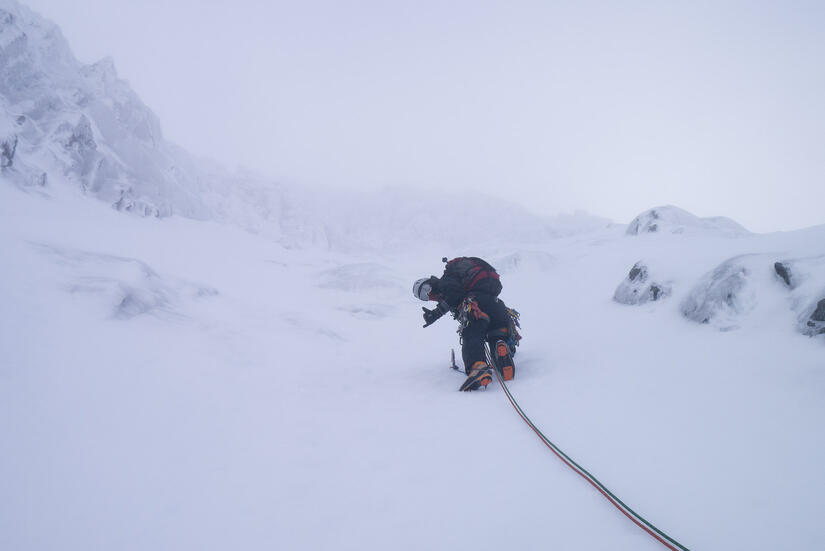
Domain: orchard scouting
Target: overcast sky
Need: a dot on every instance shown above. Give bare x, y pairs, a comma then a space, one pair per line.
611, 107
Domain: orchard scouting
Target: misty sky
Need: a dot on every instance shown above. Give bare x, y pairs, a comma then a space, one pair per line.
610, 107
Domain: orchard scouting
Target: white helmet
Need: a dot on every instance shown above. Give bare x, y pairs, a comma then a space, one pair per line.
422, 288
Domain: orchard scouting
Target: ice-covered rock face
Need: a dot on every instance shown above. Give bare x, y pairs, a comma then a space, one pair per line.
34, 57
721, 296
65, 122
637, 288
82, 123
669, 219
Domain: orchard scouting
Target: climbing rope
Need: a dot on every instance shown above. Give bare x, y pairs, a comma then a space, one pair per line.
640, 521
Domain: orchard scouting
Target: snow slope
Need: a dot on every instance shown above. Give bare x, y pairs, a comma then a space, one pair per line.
245, 366
172, 384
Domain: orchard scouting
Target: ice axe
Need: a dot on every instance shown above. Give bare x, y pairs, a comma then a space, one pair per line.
452, 361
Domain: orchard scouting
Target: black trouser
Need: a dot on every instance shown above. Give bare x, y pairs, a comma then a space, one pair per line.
487, 313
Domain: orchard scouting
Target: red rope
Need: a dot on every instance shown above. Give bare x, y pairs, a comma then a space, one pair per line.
578, 471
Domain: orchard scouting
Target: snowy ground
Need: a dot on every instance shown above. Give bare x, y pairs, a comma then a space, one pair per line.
172, 384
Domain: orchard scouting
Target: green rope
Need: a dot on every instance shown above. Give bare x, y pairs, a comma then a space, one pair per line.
592, 479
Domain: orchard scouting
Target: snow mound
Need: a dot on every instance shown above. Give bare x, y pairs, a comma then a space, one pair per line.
361, 277
639, 288
527, 260
723, 295
670, 219
123, 288
369, 311
311, 327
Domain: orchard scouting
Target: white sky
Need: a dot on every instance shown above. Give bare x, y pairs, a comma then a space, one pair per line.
610, 107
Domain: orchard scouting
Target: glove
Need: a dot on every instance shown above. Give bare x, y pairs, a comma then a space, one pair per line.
431, 316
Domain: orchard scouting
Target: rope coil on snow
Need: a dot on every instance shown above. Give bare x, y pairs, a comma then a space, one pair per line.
637, 519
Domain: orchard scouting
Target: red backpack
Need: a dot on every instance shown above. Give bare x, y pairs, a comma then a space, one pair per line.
474, 274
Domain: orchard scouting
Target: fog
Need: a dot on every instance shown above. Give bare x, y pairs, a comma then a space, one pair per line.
607, 107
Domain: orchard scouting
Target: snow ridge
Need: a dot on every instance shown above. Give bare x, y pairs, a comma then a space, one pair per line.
670, 219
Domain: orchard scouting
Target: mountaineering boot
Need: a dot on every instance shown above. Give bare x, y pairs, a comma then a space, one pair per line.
480, 375
504, 361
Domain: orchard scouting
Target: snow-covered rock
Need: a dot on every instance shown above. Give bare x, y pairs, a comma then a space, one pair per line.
670, 219
639, 287
751, 288
722, 295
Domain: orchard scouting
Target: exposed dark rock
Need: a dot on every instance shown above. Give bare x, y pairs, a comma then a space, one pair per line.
819, 313
7, 148
815, 323
784, 272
